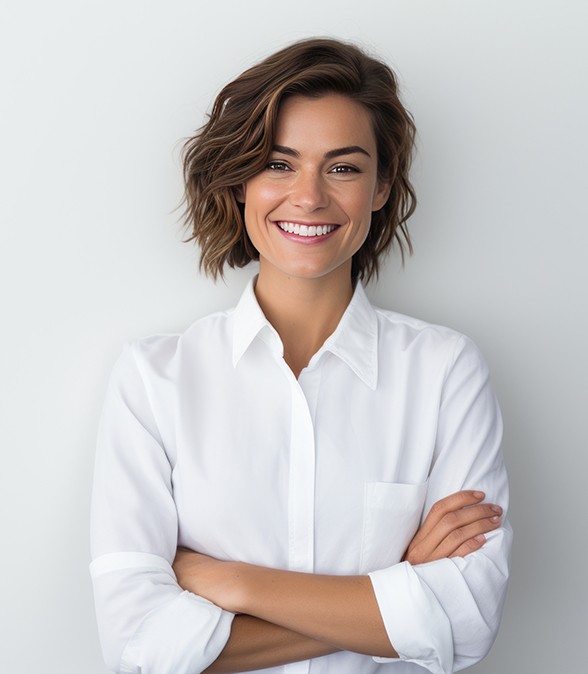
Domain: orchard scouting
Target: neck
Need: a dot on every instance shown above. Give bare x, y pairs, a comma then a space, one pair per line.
304, 311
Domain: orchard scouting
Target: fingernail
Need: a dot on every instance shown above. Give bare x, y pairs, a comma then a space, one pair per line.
496, 518
479, 494
480, 539
496, 509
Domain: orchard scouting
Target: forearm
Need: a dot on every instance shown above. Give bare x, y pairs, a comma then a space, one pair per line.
337, 610
257, 644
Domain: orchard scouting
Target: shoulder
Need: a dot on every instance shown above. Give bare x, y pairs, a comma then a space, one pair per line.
427, 342
161, 353
410, 330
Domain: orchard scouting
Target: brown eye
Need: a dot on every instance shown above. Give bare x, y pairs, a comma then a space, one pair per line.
277, 166
344, 168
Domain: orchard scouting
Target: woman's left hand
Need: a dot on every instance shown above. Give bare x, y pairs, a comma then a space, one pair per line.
455, 526
213, 579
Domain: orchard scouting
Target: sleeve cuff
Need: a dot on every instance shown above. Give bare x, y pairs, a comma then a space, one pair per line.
416, 625
182, 637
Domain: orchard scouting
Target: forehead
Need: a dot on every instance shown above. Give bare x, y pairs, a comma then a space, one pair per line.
330, 120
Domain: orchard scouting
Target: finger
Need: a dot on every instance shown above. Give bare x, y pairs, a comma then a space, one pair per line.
462, 518
439, 509
458, 537
452, 530
470, 546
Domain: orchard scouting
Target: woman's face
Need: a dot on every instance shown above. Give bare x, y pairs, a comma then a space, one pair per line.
310, 209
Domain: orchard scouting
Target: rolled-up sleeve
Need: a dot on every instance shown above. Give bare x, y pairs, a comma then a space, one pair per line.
444, 615
147, 623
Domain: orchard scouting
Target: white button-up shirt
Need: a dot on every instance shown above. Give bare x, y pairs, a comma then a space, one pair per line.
208, 441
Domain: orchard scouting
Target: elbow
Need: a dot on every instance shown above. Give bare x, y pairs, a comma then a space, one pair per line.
477, 645
118, 652
473, 652
112, 655
473, 641
181, 636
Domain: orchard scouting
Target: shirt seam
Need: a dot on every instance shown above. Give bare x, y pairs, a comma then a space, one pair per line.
133, 349
459, 342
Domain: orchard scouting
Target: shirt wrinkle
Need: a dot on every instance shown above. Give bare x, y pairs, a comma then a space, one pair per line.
329, 473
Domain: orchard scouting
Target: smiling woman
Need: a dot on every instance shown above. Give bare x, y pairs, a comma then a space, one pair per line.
319, 189
236, 143
310, 210
306, 481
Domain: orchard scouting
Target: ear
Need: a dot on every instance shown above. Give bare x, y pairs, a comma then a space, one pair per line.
381, 194
239, 192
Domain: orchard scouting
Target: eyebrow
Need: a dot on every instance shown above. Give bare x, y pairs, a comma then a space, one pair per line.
331, 154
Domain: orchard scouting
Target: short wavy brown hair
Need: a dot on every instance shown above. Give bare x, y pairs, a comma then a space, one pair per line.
236, 142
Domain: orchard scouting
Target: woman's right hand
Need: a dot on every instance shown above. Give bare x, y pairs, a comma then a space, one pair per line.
454, 527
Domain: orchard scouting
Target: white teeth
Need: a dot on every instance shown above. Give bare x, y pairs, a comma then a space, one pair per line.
305, 230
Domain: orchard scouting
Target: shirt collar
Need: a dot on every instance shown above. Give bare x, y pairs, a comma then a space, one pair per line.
249, 322
354, 341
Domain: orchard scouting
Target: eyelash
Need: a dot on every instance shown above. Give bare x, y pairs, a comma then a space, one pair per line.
278, 165
345, 169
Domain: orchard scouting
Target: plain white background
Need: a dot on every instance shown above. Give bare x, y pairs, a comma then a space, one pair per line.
95, 98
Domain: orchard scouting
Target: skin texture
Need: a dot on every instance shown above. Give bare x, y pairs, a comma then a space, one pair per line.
323, 170
257, 644
316, 176
454, 527
292, 616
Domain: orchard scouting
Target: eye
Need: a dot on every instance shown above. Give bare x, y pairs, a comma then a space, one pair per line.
344, 168
277, 165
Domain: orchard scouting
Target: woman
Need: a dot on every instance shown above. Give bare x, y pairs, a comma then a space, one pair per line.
281, 455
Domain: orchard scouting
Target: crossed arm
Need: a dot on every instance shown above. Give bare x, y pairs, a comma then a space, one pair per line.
285, 616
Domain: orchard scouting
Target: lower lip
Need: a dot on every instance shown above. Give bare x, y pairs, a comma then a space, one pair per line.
306, 240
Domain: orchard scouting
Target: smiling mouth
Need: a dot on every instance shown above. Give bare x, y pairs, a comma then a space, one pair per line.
305, 230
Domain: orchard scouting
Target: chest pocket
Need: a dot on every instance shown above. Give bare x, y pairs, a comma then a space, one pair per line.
392, 512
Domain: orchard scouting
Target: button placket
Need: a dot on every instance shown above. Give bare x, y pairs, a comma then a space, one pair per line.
301, 483
301, 487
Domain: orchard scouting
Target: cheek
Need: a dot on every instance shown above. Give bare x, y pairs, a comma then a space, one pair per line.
357, 198
260, 202
360, 207
262, 195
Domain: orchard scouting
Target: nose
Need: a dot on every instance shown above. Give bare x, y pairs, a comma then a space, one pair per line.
309, 191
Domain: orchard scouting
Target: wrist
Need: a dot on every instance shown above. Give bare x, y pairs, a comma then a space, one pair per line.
242, 575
